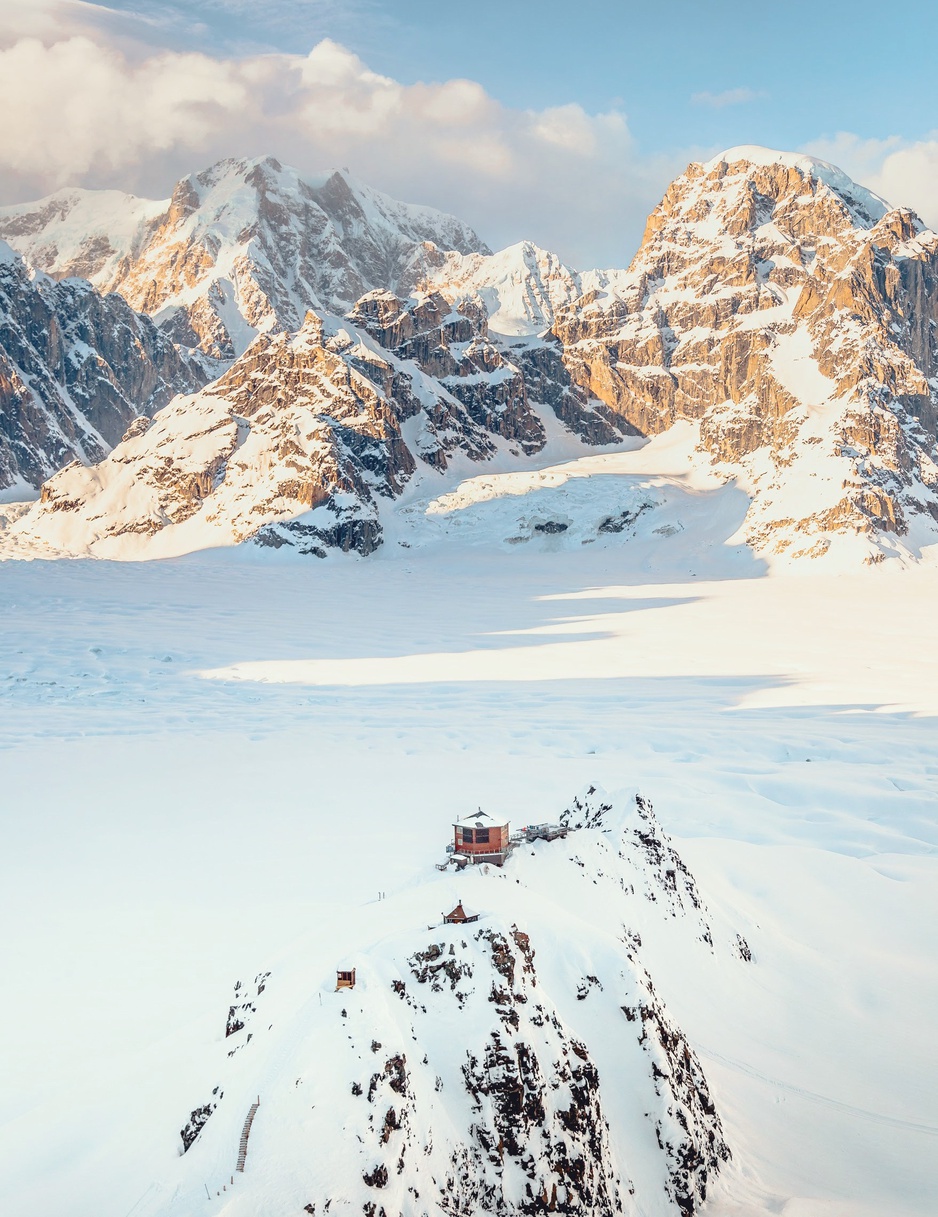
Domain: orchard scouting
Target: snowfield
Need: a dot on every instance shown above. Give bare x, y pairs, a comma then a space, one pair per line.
213, 765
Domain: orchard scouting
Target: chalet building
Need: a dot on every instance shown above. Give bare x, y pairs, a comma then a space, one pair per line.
481, 838
459, 916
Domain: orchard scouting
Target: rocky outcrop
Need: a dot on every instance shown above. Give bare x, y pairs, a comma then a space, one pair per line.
452, 346
295, 445
198, 1118
76, 368
794, 316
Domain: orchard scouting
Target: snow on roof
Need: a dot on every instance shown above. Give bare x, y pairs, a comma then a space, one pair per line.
480, 819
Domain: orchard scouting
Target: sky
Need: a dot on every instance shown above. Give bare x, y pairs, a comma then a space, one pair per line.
561, 123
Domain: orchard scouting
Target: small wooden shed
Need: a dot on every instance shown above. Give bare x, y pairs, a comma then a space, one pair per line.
459, 916
344, 979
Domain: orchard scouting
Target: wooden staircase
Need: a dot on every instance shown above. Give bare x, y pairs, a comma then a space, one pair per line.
245, 1133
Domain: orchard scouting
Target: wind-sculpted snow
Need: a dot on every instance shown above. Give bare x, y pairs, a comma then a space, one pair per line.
521, 1064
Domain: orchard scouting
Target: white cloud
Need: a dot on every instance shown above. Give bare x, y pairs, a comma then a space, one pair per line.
84, 105
904, 172
729, 97
88, 100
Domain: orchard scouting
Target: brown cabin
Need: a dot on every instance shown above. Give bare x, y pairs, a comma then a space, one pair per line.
344, 980
481, 838
459, 916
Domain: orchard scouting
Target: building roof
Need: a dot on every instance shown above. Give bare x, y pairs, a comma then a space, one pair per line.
480, 819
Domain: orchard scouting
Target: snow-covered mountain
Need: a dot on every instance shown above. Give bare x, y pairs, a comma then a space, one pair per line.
297, 443
245, 246
782, 311
523, 1062
76, 367
793, 316
522, 288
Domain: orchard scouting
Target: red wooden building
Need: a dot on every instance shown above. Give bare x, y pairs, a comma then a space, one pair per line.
481, 838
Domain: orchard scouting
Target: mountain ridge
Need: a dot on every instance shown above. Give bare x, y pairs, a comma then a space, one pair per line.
243, 246
782, 310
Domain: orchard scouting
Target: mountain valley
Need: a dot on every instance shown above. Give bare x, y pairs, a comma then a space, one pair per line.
322, 525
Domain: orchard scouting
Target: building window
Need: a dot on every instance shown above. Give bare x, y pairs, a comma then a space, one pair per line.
482, 836
466, 836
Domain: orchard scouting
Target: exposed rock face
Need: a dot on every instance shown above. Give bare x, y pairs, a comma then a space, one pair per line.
794, 316
246, 246
500, 1067
76, 368
781, 309
537, 1139
452, 346
198, 1118
295, 444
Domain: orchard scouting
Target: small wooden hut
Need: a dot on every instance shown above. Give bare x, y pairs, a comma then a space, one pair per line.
344, 979
459, 916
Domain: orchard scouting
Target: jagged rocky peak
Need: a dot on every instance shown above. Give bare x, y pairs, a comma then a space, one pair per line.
242, 247
451, 344
394, 321
746, 187
76, 367
793, 315
785, 312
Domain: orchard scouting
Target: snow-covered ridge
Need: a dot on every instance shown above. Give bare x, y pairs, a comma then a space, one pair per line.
823, 171
522, 1063
521, 287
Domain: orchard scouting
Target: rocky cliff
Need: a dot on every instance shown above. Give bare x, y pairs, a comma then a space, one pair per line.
794, 316
298, 442
306, 439
76, 368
